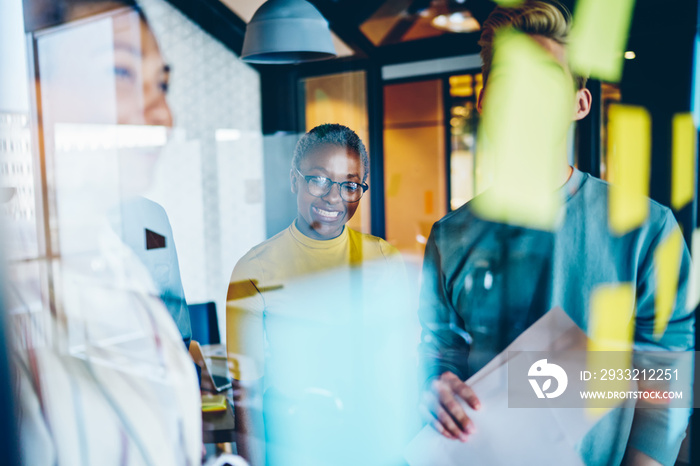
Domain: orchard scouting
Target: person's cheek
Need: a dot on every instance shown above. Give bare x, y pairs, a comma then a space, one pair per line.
304, 205
157, 112
351, 209
156, 108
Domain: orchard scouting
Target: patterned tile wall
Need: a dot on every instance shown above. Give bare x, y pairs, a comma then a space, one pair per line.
210, 177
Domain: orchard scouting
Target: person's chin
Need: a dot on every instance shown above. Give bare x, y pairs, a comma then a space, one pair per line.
327, 223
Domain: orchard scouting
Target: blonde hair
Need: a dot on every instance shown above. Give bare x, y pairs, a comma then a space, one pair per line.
532, 17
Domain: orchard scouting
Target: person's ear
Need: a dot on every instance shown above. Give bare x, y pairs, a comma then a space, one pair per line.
584, 100
293, 181
480, 100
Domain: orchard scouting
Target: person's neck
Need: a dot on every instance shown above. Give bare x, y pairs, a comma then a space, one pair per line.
309, 232
566, 174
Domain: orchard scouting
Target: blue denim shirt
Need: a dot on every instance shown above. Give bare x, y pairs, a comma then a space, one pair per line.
484, 283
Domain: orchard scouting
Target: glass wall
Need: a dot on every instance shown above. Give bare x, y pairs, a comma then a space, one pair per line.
610, 94
142, 172
465, 173
414, 161
205, 162
416, 156
132, 182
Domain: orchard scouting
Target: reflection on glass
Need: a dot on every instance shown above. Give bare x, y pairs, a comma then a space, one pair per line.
101, 364
610, 94
414, 161
17, 194
466, 180
395, 21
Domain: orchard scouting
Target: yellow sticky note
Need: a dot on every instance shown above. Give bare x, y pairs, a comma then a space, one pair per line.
683, 181
610, 331
599, 37
667, 261
527, 111
629, 154
212, 403
693, 298
611, 320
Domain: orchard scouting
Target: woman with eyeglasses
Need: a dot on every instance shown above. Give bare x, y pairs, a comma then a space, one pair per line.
317, 322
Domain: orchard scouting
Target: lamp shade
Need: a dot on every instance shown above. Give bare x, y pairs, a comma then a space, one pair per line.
287, 31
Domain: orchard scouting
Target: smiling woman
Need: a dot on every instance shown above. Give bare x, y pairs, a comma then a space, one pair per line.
316, 321
324, 154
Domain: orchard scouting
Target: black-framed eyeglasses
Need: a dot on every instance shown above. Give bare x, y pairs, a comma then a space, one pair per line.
319, 186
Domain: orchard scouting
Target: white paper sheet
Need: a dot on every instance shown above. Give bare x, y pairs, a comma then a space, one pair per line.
507, 436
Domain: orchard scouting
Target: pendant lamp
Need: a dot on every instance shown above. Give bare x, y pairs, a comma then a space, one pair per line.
287, 31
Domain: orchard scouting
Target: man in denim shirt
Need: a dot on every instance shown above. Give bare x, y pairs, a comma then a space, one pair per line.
485, 282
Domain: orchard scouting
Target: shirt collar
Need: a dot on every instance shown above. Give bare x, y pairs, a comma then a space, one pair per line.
573, 184
317, 243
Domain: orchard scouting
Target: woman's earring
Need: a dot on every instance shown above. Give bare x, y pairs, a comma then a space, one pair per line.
293, 180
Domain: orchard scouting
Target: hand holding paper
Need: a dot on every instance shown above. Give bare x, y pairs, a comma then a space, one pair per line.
533, 436
443, 403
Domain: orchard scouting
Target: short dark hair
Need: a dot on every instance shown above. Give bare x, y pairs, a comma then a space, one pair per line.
331, 134
533, 17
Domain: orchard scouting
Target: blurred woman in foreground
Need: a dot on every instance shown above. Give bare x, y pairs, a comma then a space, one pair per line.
102, 374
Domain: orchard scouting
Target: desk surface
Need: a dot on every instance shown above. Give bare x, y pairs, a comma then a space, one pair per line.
219, 427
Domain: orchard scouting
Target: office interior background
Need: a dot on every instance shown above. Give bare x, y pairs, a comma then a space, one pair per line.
406, 78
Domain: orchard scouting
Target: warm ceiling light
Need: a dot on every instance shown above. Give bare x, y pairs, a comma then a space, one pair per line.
440, 21
460, 21
287, 31
630, 55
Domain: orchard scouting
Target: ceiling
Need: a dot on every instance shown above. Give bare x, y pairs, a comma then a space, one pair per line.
398, 31
369, 28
